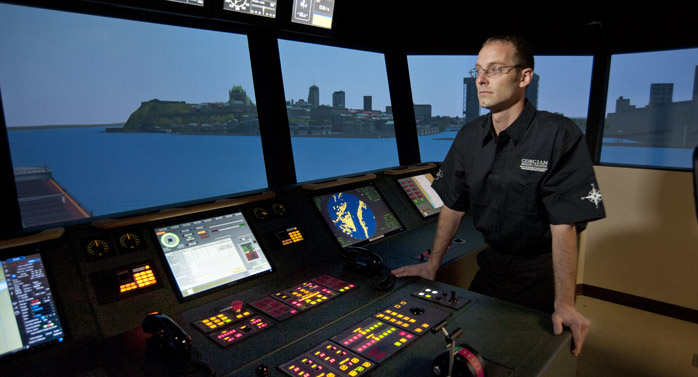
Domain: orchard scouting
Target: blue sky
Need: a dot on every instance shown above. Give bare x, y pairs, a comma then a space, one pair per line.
63, 68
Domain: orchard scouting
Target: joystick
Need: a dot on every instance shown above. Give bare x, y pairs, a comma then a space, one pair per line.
461, 361
261, 370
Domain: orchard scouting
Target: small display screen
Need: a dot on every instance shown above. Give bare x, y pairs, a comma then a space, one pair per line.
211, 253
263, 8
313, 12
28, 314
419, 190
357, 215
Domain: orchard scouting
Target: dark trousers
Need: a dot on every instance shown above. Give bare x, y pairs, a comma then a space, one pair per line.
523, 280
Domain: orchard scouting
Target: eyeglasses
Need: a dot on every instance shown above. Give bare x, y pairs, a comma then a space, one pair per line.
492, 71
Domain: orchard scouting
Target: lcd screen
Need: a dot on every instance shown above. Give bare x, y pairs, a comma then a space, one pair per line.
418, 189
211, 253
317, 13
357, 215
28, 313
263, 8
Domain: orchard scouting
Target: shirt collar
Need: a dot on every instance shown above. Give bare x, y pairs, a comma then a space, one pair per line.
516, 130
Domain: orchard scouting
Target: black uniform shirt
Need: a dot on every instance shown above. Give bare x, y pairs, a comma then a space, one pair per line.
537, 172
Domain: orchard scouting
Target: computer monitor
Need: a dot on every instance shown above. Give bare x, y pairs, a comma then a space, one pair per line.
357, 215
208, 254
29, 317
317, 13
263, 8
418, 189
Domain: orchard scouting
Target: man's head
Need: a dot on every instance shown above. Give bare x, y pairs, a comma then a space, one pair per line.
523, 50
503, 70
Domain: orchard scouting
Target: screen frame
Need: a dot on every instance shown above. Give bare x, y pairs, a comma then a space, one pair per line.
57, 301
203, 216
342, 189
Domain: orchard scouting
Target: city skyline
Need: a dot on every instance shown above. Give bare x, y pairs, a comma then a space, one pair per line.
81, 69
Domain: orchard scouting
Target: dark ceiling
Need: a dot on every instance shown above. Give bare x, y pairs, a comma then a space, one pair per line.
561, 27
441, 26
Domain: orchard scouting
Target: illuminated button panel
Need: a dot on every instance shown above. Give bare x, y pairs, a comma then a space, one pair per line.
346, 362
232, 334
125, 281
289, 236
413, 316
224, 318
374, 339
326, 360
274, 308
331, 282
358, 349
305, 295
232, 324
138, 277
449, 299
306, 366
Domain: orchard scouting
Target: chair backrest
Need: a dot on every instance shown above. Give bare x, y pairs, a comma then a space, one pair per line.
695, 179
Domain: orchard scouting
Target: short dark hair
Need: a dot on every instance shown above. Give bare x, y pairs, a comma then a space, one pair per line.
524, 52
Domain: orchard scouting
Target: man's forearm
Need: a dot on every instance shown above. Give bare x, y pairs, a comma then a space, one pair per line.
564, 263
446, 229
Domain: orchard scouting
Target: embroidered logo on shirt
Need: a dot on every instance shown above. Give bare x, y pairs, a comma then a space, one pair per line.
534, 165
439, 175
594, 196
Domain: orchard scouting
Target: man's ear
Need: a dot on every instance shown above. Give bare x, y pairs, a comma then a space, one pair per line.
526, 77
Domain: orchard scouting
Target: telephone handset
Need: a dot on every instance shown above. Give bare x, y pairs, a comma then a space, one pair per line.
362, 260
168, 338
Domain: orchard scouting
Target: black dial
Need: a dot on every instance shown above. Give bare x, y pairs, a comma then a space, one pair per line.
97, 249
130, 241
279, 209
260, 213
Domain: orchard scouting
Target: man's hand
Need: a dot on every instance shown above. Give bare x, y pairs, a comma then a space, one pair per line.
578, 324
424, 270
565, 269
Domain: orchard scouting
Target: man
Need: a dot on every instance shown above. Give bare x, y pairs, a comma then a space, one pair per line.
528, 179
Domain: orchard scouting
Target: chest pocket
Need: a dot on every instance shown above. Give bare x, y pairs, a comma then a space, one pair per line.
521, 194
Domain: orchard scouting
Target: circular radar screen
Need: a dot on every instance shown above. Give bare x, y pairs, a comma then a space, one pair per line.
169, 240
352, 216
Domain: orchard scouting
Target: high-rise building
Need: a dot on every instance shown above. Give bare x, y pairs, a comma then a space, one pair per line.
661, 94
471, 105
422, 113
314, 96
368, 103
338, 99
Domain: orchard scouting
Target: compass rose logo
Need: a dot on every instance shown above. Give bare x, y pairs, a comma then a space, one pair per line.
594, 196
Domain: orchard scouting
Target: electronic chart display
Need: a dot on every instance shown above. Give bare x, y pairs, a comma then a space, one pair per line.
317, 13
357, 215
212, 253
28, 314
419, 190
263, 8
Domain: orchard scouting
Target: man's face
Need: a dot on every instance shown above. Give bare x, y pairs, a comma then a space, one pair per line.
501, 91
